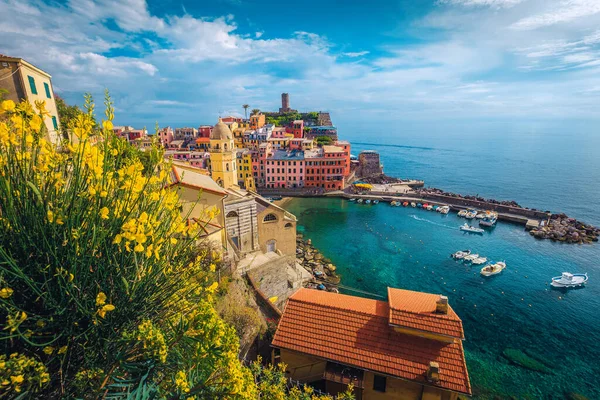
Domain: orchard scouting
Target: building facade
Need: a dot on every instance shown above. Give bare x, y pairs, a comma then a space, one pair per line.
222, 156
24, 81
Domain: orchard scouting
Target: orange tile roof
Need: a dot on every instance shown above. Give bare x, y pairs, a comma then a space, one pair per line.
416, 310
356, 332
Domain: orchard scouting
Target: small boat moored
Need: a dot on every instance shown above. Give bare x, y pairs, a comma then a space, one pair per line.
375, 201
471, 229
368, 201
444, 209
471, 257
459, 255
569, 280
359, 200
489, 220
471, 214
493, 269
405, 204
462, 213
413, 204
479, 260
419, 205
393, 203
353, 199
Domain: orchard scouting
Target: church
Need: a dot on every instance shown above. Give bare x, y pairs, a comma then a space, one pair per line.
251, 223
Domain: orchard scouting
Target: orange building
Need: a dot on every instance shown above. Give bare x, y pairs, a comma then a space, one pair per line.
409, 347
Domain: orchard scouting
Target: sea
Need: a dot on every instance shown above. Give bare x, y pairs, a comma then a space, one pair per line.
524, 340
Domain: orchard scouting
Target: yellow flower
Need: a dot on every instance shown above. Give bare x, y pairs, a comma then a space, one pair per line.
103, 193
36, 123
107, 125
212, 288
59, 220
5, 293
106, 308
8, 105
117, 239
50, 215
48, 350
28, 139
62, 350
16, 380
173, 241
104, 212
92, 191
138, 248
100, 299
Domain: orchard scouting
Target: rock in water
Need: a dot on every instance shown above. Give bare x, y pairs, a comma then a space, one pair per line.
521, 359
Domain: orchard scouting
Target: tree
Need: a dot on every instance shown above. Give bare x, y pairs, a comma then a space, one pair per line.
324, 140
255, 111
246, 106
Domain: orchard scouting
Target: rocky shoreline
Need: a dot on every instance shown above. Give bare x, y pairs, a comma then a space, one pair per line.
509, 203
561, 228
324, 272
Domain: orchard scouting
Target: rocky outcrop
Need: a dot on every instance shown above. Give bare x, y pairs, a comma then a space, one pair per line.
561, 228
323, 270
508, 203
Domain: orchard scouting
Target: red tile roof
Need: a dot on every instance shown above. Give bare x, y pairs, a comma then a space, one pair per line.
416, 310
356, 332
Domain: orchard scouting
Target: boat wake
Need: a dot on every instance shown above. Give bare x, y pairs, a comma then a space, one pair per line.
431, 222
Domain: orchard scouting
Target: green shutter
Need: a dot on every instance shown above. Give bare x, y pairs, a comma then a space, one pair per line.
54, 122
32, 84
47, 87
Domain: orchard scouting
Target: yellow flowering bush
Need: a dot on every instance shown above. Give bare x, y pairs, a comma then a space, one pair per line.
105, 288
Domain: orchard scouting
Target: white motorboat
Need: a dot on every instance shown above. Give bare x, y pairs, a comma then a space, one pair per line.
368, 201
471, 229
429, 207
353, 199
444, 209
493, 269
480, 260
375, 201
471, 214
359, 200
459, 255
413, 204
462, 213
471, 257
480, 215
569, 280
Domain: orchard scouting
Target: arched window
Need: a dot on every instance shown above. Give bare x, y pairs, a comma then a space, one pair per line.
288, 225
270, 218
232, 214
227, 166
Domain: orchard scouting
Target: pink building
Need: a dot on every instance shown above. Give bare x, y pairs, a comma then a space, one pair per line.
296, 143
285, 169
204, 131
165, 136
298, 128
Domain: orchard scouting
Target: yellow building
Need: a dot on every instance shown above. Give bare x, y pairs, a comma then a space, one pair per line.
409, 347
244, 169
24, 81
202, 201
222, 156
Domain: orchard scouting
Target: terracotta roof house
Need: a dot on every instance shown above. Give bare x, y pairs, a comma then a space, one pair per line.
409, 347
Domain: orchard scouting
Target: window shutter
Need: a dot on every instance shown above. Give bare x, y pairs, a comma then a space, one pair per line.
47, 90
54, 122
32, 84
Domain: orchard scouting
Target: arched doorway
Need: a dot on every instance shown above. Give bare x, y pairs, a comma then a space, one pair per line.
272, 246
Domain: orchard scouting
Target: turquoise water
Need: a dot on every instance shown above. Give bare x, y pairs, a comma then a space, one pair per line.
378, 246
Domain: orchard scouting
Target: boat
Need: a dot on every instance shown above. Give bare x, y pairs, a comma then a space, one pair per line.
493, 269
398, 204
471, 257
375, 201
419, 205
435, 208
393, 203
352, 199
444, 209
489, 221
480, 215
459, 255
368, 201
471, 214
569, 280
479, 260
471, 229
405, 203
462, 213
425, 205
429, 207
359, 200
413, 204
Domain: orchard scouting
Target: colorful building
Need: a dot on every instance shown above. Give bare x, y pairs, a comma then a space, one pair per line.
318, 131
409, 347
165, 136
222, 159
24, 81
257, 121
285, 169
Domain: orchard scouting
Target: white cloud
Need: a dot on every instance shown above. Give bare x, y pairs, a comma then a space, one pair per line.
565, 11
480, 3
354, 54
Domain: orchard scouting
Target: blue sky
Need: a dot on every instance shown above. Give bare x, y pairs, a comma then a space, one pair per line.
420, 65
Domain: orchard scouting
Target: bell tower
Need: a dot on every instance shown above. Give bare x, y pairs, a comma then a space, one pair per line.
223, 167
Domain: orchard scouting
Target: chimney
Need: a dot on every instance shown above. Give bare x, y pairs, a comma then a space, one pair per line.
441, 306
433, 372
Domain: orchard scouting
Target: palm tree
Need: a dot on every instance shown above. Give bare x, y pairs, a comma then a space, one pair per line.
246, 109
255, 111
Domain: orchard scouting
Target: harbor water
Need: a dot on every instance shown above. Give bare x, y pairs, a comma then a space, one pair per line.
523, 339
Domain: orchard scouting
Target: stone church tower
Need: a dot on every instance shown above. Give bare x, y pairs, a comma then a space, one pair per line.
222, 158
